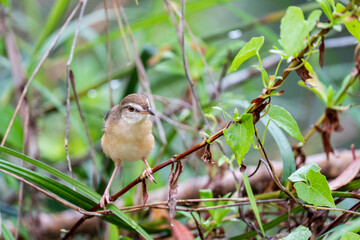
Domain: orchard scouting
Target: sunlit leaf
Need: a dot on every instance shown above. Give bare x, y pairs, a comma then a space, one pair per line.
300, 174
316, 191
239, 136
350, 236
249, 50
4, 231
300, 233
294, 29
284, 120
352, 26
284, 146
325, 6
252, 201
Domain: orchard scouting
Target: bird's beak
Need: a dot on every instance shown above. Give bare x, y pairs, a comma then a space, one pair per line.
150, 111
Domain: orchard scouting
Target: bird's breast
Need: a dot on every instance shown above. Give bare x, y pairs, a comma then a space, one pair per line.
128, 142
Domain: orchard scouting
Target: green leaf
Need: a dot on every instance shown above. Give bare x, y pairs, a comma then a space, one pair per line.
300, 233
282, 142
352, 26
236, 115
263, 71
239, 136
129, 221
249, 50
294, 29
350, 236
4, 231
207, 193
350, 226
284, 120
49, 184
317, 190
113, 231
330, 96
313, 19
325, 6
65, 192
273, 223
78, 185
252, 201
301, 174
5, 3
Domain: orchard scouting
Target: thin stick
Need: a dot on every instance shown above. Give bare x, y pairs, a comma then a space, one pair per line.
121, 29
186, 64
50, 195
91, 146
71, 55
198, 226
142, 75
108, 54
197, 46
172, 17
22, 97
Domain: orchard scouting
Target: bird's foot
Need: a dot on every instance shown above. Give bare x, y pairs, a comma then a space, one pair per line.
149, 174
105, 199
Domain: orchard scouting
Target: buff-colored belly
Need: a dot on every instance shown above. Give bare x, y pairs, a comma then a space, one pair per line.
128, 142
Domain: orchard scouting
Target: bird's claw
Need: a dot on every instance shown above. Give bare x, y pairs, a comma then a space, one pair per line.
149, 174
104, 200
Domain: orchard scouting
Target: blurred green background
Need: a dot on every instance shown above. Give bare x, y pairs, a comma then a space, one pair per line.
220, 26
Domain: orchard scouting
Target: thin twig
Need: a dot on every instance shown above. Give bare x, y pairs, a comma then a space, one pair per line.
186, 64
50, 195
142, 75
197, 46
121, 29
23, 94
198, 226
68, 63
91, 146
108, 54
332, 209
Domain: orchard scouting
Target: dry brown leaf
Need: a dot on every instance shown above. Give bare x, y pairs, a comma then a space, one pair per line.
207, 156
331, 123
144, 192
173, 188
304, 74
347, 176
180, 232
322, 51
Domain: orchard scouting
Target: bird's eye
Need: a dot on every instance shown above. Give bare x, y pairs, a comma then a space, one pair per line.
131, 109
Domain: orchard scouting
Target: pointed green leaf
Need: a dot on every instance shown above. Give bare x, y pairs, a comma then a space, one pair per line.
325, 6
252, 201
239, 136
247, 51
5, 232
78, 185
300, 174
49, 184
300, 233
350, 236
294, 29
129, 221
317, 191
352, 26
284, 120
282, 142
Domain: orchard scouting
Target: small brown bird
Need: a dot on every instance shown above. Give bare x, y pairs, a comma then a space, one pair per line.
127, 135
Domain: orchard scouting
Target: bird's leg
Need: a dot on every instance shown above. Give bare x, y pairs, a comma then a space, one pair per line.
148, 173
106, 196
